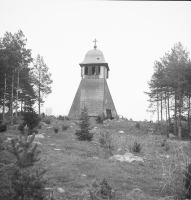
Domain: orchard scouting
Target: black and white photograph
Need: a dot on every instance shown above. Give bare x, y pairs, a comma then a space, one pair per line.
95, 100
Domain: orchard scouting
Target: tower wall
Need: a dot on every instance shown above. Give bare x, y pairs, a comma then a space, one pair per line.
92, 95
108, 101
95, 95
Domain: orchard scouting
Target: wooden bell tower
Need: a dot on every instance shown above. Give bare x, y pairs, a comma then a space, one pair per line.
93, 91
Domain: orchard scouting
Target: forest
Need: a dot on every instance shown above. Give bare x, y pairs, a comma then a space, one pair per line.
170, 88
24, 80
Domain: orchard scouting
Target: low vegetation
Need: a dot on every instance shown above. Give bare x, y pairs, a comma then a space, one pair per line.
100, 119
137, 125
30, 119
76, 168
64, 127
21, 177
56, 129
47, 120
106, 143
101, 190
136, 147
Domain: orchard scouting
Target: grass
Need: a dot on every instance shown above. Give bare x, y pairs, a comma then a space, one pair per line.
78, 163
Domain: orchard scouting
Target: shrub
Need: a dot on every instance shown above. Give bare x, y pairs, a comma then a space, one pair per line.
47, 120
56, 129
64, 127
176, 175
100, 119
3, 126
137, 125
39, 126
106, 143
31, 119
136, 147
188, 181
166, 145
101, 191
21, 127
27, 181
84, 132
67, 118
60, 117
6, 172
15, 121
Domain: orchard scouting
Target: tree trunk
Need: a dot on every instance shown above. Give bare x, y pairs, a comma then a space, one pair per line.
175, 117
17, 92
179, 118
39, 93
161, 109
169, 121
11, 106
157, 108
189, 112
5, 87
21, 106
166, 109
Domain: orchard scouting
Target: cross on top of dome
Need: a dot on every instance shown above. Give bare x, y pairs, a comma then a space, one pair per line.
95, 44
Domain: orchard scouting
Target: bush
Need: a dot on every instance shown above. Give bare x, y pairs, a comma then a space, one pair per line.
136, 147
67, 118
101, 191
188, 181
60, 117
39, 126
166, 145
47, 120
137, 125
176, 174
56, 129
6, 172
100, 119
3, 126
15, 121
64, 127
84, 124
105, 141
31, 119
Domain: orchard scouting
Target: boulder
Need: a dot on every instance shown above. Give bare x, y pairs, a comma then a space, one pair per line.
40, 136
37, 142
60, 190
57, 149
171, 136
127, 157
121, 132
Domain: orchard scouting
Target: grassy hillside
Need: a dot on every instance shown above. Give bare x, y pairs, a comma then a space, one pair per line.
72, 164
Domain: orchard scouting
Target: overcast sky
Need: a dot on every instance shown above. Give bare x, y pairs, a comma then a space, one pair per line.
131, 35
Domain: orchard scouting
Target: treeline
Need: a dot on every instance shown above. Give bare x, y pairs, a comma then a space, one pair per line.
170, 87
24, 80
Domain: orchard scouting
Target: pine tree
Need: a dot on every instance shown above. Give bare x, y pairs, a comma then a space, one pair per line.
41, 79
27, 181
84, 124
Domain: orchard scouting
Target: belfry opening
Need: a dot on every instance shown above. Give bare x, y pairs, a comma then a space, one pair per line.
93, 91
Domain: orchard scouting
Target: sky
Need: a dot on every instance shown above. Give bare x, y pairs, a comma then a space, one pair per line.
131, 34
